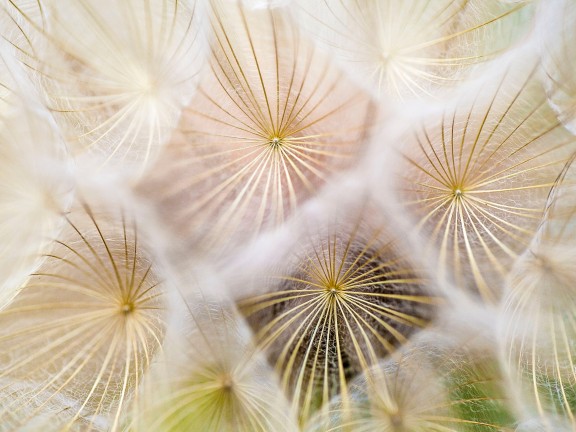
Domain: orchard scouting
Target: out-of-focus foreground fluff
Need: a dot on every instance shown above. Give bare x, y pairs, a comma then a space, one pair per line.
282, 216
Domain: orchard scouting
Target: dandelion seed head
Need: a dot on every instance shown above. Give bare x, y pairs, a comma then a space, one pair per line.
538, 335
115, 75
539, 311
477, 181
421, 389
368, 323
88, 323
411, 49
272, 124
211, 378
347, 301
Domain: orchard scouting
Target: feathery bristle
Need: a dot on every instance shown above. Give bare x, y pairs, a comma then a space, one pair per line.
430, 388
273, 121
116, 74
212, 379
86, 325
476, 178
539, 326
347, 300
411, 49
32, 191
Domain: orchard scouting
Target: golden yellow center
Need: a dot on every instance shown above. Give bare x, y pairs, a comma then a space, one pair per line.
226, 382
333, 289
275, 142
127, 308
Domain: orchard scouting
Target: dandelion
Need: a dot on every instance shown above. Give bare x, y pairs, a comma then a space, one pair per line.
538, 328
348, 299
431, 387
116, 74
272, 122
212, 379
412, 49
320, 215
86, 325
477, 178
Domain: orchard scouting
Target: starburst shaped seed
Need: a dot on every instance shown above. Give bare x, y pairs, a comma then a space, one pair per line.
539, 326
86, 325
212, 379
272, 122
414, 48
116, 74
431, 387
347, 301
476, 179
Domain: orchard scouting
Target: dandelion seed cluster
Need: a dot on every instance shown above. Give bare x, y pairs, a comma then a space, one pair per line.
293, 215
